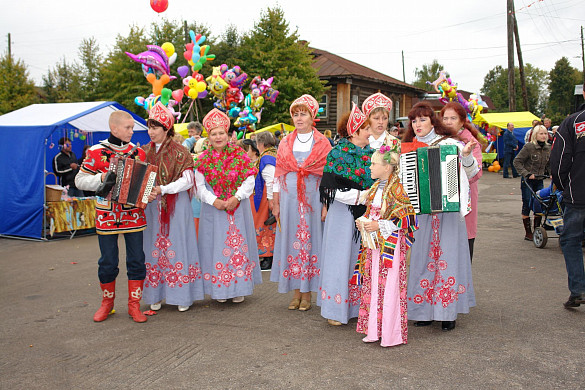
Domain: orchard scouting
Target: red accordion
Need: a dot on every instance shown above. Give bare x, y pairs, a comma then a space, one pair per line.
134, 181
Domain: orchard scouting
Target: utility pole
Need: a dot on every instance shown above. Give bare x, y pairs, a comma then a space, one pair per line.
404, 77
583, 54
10, 48
521, 63
511, 88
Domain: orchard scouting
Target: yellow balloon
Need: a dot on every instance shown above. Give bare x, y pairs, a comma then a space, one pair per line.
191, 62
200, 87
169, 48
192, 83
193, 93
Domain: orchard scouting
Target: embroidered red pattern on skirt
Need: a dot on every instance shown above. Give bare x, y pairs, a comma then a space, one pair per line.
238, 265
438, 290
164, 272
302, 266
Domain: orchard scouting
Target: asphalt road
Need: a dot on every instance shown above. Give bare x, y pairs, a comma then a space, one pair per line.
518, 336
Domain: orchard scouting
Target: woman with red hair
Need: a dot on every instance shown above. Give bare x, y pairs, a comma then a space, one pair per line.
439, 283
454, 118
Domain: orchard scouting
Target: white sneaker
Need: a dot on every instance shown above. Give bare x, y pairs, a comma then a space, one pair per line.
156, 306
238, 300
221, 300
184, 308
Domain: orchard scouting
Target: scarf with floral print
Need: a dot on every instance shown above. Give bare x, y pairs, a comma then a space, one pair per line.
225, 171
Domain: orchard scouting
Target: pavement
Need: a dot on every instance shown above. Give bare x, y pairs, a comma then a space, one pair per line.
518, 336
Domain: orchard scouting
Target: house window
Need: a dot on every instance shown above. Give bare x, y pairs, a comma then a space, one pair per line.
397, 108
324, 103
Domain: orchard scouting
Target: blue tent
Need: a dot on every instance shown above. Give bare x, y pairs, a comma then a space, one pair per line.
28, 142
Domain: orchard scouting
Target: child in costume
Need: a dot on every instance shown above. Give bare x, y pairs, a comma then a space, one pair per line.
387, 229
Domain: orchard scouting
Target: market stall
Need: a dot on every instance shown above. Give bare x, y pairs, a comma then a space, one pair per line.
28, 144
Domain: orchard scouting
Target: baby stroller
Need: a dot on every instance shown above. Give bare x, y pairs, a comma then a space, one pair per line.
547, 203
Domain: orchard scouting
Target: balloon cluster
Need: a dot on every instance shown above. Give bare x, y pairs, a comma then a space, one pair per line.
156, 65
226, 85
448, 90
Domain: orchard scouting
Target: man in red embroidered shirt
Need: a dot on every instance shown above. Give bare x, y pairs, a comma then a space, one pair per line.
113, 218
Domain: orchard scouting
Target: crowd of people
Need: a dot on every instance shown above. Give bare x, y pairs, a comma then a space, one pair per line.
330, 218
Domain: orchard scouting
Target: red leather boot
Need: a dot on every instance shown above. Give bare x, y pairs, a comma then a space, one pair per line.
108, 295
134, 296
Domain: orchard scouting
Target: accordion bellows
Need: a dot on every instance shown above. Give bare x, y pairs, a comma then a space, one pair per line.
134, 181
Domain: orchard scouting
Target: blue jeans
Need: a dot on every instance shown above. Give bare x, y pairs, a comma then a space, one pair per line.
108, 263
509, 161
570, 240
527, 195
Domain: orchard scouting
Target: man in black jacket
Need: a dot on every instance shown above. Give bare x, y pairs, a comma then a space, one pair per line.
65, 166
567, 162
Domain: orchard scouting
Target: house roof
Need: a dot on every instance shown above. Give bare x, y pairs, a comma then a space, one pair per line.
331, 65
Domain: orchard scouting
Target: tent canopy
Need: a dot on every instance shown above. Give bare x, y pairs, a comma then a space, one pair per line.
282, 127
86, 116
521, 119
28, 139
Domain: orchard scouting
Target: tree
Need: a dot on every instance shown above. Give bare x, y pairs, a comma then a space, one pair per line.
563, 78
17, 90
270, 49
428, 72
121, 78
62, 84
495, 85
90, 62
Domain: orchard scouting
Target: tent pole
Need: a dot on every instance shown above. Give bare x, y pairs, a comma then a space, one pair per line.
44, 190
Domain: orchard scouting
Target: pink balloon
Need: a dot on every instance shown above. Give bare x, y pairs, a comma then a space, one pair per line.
183, 70
178, 95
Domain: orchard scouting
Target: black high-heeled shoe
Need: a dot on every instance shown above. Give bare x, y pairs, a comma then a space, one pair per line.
448, 326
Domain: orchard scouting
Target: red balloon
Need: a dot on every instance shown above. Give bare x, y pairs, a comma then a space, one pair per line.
198, 76
159, 5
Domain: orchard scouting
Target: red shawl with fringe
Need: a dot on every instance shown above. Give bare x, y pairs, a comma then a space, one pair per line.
172, 160
313, 165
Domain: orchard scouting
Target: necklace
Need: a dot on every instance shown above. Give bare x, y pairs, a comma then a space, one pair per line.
304, 142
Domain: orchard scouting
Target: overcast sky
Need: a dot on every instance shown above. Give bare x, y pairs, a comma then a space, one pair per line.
467, 37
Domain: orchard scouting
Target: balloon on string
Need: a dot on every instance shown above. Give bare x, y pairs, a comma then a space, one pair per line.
178, 95
168, 48
183, 70
159, 5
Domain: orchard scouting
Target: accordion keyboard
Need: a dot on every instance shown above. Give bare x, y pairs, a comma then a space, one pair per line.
409, 179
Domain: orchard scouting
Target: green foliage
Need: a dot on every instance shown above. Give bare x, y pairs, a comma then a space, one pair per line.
563, 78
428, 72
62, 84
495, 85
271, 49
17, 90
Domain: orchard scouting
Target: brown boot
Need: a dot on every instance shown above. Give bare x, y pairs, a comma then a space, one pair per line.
134, 296
537, 221
108, 295
528, 236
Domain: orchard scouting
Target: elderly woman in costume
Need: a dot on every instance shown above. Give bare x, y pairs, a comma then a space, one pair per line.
346, 173
263, 198
377, 109
389, 221
440, 285
299, 167
454, 118
227, 242
173, 272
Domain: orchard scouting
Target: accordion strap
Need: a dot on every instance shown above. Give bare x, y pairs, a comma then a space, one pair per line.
121, 155
439, 140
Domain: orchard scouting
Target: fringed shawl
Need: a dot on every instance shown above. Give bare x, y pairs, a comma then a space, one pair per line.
225, 171
313, 165
395, 207
172, 160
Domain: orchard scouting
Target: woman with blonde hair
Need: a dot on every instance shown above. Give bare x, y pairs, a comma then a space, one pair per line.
532, 165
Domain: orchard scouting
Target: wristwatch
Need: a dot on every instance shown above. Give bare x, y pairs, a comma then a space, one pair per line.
238, 197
